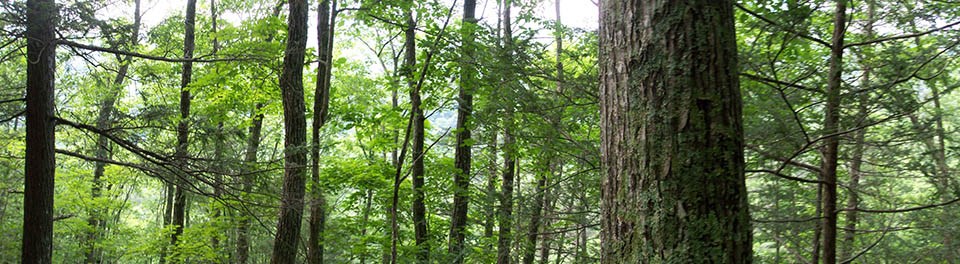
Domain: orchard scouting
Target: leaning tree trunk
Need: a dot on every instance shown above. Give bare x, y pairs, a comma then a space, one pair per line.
249, 162
183, 128
104, 122
39, 163
321, 106
295, 136
462, 155
672, 137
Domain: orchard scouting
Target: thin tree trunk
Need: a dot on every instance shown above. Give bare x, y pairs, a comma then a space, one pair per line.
220, 141
104, 122
183, 128
491, 192
39, 161
321, 106
831, 125
530, 245
367, 204
417, 147
463, 156
294, 120
249, 160
673, 189
856, 161
505, 239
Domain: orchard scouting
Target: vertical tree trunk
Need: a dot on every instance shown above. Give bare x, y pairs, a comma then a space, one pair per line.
831, 125
530, 245
463, 156
183, 128
491, 192
249, 161
856, 159
417, 147
295, 133
104, 122
505, 239
220, 143
39, 161
672, 137
321, 106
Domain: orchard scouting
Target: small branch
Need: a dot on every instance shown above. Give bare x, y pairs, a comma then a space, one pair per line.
903, 210
771, 22
781, 175
918, 34
145, 56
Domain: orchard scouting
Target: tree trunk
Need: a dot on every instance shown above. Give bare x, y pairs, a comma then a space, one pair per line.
417, 151
249, 161
856, 159
321, 106
104, 122
183, 128
220, 143
505, 239
39, 162
491, 192
530, 245
295, 133
831, 126
671, 132
463, 156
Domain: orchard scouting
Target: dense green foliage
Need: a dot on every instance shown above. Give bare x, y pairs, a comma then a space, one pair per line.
897, 151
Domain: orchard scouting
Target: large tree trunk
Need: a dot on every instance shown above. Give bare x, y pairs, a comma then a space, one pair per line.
672, 137
104, 122
39, 163
321, 106
417, 146
183, 128
505, 238
831, 126
295, 133
462, 155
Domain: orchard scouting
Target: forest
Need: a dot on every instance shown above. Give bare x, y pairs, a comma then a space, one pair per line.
465, 131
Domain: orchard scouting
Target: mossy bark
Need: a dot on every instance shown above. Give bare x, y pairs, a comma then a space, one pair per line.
672, 136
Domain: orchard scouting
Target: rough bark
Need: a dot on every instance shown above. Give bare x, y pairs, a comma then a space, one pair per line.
104, 122
183, 128
462, 153
321, 106
39, 162
671, 134
295, 133
831, 125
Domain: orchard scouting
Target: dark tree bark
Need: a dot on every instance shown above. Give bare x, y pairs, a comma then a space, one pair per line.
295, 133
505, 238
321, 106
831, 125
39, 161
417, 145
672, 139
104, 122
183, 128
462, 153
